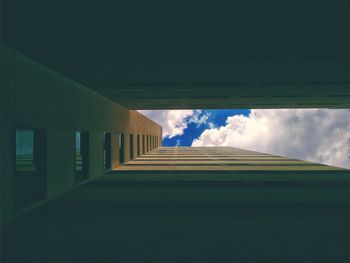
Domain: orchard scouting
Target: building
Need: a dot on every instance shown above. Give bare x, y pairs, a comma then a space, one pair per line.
84, 176
192, 204
66, 122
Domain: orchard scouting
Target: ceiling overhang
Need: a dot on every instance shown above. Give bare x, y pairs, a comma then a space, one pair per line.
154, 56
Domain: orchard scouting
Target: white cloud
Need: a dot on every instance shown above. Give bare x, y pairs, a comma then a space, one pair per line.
199, 117
173, 121
310, 134
211, 125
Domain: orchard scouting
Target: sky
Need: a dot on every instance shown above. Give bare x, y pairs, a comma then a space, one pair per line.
317, 135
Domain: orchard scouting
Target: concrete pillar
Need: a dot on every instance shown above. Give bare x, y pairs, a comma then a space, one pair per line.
135, 145
115, 150
95, 154
126, 147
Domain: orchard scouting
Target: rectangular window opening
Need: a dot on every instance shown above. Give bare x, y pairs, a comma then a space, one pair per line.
81, 155
30, 173
143, 144
147, 143
121, 148
131, 146
107, 151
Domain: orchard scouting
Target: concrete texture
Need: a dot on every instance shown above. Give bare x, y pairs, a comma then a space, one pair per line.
190, 216
170, 205
233, 55
215, 159
36, 97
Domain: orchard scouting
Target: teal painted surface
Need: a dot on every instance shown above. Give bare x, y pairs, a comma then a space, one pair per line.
36, 97
193, 220
235, 54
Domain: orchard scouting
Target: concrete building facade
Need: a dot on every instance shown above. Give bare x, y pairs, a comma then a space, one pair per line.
184, 204
114, 190
36, 98
92, 184
237, 55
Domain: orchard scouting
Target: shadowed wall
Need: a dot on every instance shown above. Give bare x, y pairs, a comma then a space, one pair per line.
35, 97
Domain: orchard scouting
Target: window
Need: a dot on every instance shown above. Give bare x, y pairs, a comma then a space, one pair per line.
131, 146
143, 144
30, 175
107, 151
147, 143
121, 148
138, 144
81, 155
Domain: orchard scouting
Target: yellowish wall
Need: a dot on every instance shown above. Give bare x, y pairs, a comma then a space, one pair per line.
35, 97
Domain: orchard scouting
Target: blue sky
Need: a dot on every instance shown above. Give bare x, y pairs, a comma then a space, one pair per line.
317, 135
193, 131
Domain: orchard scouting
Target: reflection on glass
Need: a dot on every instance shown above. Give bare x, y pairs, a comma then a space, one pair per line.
25, 151
131, 146
143, 144
78, 152
121, 147
30, 175
81, 155
107, 151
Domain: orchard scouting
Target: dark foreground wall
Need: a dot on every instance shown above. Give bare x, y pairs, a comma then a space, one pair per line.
191, 216
36, 97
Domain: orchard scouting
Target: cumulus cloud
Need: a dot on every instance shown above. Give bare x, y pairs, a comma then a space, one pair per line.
173, 121
318, 135
211, 125
199, 117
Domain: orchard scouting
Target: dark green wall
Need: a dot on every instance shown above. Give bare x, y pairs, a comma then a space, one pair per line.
35, 97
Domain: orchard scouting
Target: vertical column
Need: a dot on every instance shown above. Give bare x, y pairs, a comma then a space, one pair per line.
126, 147
147, 143
96, 153
135, 145
115, 150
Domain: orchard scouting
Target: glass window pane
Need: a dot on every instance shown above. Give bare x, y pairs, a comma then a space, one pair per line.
25, 151
143, 144
81, 155
78, 154
30, 174
121, 148
107, 151
131, 146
